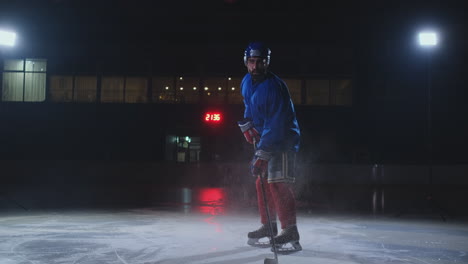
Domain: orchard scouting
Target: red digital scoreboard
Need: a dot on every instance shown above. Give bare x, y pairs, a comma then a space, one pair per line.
214, 117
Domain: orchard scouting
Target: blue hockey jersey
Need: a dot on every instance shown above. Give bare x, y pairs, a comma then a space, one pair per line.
268, 104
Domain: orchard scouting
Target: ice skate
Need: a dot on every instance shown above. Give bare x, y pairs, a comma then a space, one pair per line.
261, 237
288, 241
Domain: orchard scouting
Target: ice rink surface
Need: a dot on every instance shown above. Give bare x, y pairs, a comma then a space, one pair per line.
209, 234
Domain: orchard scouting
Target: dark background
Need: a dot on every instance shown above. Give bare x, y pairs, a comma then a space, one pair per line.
373, 42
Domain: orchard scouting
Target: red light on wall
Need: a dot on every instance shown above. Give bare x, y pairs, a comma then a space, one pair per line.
212, 196
213, 117
212, 201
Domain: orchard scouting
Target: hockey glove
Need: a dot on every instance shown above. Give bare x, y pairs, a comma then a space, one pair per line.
259, 164
249, 131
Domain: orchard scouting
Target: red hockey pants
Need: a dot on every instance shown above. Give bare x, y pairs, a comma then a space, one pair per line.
281, 202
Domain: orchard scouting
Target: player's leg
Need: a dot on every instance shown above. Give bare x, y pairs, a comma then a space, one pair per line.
263, 231
281, 178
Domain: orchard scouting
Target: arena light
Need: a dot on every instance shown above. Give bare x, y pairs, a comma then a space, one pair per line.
7, 38
427, 39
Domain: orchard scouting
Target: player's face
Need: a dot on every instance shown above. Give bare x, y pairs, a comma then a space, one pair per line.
256, 65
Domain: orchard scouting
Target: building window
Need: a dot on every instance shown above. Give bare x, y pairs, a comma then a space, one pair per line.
215, 90
163, 89
342, 92
61, 88
112, 89
295, 89
136, 90
24, 80
187, 89
234, 91
318, 92
12, 86
329, 92
85, 89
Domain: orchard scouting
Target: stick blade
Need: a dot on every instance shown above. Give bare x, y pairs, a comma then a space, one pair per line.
270, 261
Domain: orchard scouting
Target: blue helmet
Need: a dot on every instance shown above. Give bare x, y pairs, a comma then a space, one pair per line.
257, 49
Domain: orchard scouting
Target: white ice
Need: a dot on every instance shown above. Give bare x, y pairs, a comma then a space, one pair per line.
211, 235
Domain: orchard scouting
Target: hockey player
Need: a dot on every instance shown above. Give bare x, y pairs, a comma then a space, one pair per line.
270, 124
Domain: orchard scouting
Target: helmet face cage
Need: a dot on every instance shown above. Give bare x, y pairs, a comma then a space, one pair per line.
257, 49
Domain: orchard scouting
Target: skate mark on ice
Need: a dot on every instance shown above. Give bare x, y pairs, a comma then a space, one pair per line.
201, 257
420, 260
16, 253
78, 260
188, 260
138, 256
118, 256
395, 252
210, 221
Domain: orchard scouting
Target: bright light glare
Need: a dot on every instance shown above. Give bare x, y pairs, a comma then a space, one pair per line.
7, 38
427, 39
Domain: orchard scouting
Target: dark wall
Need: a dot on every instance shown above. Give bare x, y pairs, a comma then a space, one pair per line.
103, 131
73, 131
107, 155
68, 184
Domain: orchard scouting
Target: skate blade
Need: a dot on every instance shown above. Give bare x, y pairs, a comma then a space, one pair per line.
255, 242
288, 248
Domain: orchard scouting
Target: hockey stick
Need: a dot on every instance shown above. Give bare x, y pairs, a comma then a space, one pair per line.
270, 226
